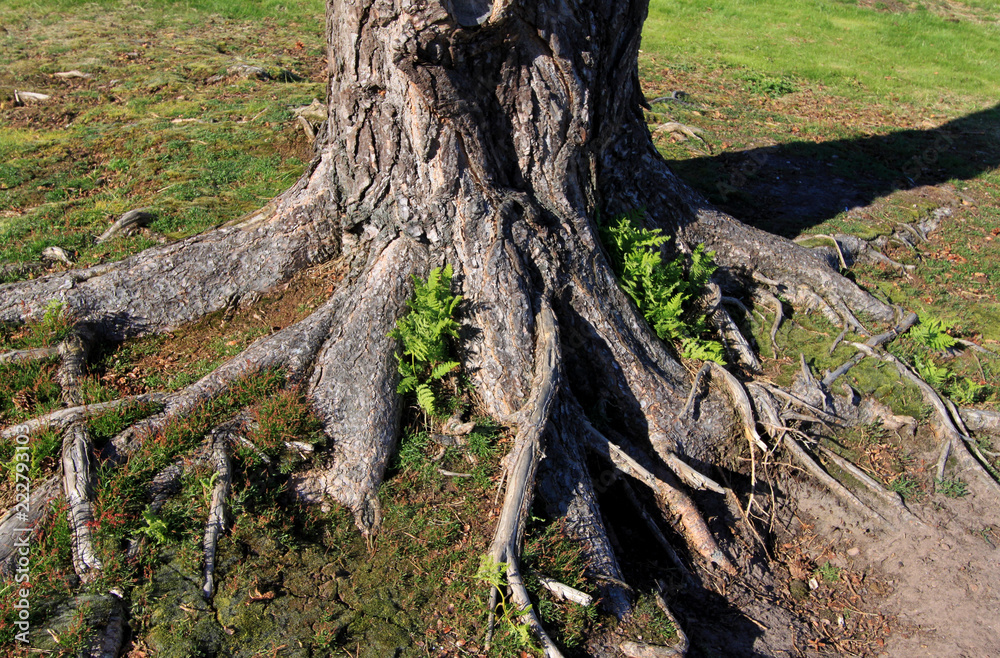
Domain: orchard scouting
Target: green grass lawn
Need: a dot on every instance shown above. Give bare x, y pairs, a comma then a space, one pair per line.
920, 52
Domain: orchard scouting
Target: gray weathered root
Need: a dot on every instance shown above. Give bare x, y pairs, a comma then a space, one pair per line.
354, 381
220, 439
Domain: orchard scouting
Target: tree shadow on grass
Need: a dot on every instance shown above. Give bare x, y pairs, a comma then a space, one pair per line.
788, 188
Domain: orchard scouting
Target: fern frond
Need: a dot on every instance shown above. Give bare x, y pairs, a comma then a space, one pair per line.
442, 369
425, 398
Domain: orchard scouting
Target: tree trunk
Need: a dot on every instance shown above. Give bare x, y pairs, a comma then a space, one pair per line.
486, 135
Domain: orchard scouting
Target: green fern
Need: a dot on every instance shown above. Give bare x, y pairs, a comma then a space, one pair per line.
933, 374
662, 290
425, 334
932, 333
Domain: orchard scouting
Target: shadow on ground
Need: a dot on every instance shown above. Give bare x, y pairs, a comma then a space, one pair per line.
790, 187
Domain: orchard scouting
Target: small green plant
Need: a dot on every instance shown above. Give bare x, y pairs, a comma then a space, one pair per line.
156, 528
494, 574
906, 486
933, 374
767, 85
424, 333
828, 572
662, 290
966, 391
953, 488
932, 334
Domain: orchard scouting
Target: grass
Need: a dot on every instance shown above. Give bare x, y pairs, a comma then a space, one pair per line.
917, 54
148, 129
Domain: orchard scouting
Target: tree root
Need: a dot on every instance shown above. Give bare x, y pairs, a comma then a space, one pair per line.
62, 418
654, 529
669, 493
522, 462
219, 437
565, 486
167, 286
34, 354
962, 446
872, 343
783, 435
354, 386
733, 339
77, 468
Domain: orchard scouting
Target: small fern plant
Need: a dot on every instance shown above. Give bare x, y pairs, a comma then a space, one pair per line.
933, 334
662, 290
425, 334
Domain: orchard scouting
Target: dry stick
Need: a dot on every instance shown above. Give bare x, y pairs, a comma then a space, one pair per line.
960, 443
76, 461
734, 338
689, 405
836, 341
34, 354
128, 223
220, 436
741, 400
966, 437
873, 342
522, 464
564, 591
695, 531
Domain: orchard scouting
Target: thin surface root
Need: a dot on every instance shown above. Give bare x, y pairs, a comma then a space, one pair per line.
220, 438
522, 463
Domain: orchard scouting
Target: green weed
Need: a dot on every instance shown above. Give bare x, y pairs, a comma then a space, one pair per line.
494, 574
906, 486
767, 85
932, 334
828, 573
952, 488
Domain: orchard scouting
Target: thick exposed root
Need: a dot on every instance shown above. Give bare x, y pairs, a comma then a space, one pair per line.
109, 642
167, 286
18, 524
960, 443
293, 350
77, 468
981, 420
354, 386
565, 486
34, 354
62, 418
669, 492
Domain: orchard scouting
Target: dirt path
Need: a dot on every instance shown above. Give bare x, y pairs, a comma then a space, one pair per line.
943, 575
